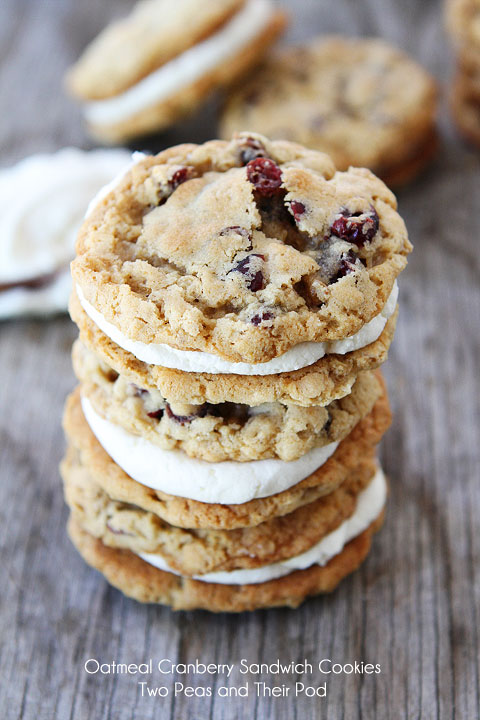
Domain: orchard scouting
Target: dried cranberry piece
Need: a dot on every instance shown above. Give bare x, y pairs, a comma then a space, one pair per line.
185, 419
181, 175
265, 176
357, 228
346, 266
251, 149
297, 208
250, 268
261, 317
156, 414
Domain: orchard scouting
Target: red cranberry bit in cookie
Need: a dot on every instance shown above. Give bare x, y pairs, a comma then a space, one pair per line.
182, 175
156, 414
250, 149
357, 228
185, 419
250, 267
265, 176
261, 317
347, 266
297, 209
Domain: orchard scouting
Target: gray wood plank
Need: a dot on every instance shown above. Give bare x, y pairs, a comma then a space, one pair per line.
415, 605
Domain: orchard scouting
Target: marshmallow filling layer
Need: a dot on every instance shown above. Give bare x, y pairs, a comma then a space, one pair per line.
186, 68
370, 503
299, 356
175, 473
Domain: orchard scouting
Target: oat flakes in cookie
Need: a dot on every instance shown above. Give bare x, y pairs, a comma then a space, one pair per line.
362, 101
243, 250
145, 71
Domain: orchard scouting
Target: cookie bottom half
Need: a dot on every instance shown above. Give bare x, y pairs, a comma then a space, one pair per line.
145, 583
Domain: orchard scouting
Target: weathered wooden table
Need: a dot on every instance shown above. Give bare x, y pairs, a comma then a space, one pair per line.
413, 608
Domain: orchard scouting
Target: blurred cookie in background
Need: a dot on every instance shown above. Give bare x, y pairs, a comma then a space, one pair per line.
364, 102
43, 202
144, 72
463, 24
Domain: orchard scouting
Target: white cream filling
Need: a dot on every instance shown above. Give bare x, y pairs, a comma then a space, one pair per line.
186, 68
48, 299
370, 503
42, 204
173, 472
299, 356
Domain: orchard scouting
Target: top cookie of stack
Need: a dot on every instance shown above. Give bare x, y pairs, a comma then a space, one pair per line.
248, 257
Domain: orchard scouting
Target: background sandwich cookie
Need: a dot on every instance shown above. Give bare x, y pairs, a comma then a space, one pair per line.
361, 100
173, 55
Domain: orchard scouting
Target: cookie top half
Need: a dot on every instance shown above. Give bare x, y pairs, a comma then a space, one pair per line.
130, 48
241, 249
360, 100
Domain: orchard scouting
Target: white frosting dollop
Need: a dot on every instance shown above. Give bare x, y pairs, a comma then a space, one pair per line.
175, 473
370, 503
42, 204
186, 68
299, 356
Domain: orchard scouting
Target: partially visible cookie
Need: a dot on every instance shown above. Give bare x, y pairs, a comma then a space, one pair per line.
145, 583
358, 449
147, 70
362, 101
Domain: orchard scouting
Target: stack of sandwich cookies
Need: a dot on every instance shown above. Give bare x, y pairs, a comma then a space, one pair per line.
234, 301
463, 17
362, 101
173, 55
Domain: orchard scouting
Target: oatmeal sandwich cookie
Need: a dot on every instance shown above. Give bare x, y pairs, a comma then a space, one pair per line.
325, 380
362, 101
144, 72
224, 431
249, 257
200, 552
355, 452
142, 580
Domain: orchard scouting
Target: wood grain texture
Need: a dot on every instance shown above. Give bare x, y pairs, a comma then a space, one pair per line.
415, 605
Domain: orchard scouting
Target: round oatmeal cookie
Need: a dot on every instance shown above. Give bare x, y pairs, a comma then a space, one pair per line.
330, 378
173, 55
145, 583
197, 552
357, 450
241, 249
225, 431
362, 101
